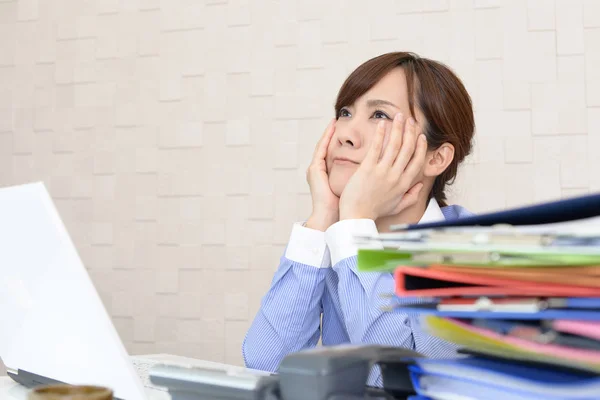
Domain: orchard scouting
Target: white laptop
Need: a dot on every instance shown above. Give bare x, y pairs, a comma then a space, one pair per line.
53, 325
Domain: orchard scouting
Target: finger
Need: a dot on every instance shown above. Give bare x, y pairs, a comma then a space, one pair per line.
393, 148
416, 163
323, 144
375, 150
408, 146
410, 198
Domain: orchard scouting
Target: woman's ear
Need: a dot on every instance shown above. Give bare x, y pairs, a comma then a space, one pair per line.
438, 160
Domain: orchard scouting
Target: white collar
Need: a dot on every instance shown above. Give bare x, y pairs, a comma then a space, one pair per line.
433, 213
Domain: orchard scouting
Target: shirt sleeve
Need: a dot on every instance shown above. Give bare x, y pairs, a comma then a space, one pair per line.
340, 241
362, 303
307, 246
289, 317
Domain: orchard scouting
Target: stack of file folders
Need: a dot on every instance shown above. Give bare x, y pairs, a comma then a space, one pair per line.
518, 291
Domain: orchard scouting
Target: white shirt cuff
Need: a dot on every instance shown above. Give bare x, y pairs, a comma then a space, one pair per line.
340, 237
307, 246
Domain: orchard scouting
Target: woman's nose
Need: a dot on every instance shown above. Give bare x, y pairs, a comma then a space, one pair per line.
348, 142
349, 136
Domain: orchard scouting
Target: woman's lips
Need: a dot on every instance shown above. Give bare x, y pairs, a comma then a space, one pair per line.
344, 161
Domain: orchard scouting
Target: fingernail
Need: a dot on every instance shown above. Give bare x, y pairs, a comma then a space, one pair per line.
411, 121
422, 137
398, 117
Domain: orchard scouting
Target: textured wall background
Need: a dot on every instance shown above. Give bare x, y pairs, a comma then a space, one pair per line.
174, 135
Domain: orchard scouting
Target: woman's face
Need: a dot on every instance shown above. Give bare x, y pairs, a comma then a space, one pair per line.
356, 125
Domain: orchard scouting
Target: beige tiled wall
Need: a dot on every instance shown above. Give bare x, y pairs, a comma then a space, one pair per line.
174, 135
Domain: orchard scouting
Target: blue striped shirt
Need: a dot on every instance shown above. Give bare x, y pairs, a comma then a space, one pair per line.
338, 305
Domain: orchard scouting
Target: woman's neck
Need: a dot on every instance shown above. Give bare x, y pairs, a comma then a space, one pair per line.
410, 215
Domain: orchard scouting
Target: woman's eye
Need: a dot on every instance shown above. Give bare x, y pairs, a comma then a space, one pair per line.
343, 113
380, 114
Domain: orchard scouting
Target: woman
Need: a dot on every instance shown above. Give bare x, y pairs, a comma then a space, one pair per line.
403, 124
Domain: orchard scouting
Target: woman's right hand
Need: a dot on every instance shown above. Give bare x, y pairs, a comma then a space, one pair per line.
325, 203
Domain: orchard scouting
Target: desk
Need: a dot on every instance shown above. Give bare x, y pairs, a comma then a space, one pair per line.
11, 390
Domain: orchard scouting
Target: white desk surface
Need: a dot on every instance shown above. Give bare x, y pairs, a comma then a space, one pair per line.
10, 390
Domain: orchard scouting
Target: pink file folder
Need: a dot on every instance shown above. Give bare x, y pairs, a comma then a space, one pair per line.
581, 328
415, 281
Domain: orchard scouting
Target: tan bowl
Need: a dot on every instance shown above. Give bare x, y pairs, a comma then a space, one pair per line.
70, 392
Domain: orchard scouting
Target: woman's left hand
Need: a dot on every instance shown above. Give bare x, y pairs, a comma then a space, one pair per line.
386, 185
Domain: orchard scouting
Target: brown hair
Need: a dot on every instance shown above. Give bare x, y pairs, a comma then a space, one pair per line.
439, 95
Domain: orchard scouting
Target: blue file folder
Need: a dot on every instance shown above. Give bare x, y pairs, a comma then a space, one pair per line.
492, 379
570, 314
544, 213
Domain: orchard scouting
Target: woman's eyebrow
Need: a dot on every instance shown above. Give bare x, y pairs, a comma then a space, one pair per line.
378, 102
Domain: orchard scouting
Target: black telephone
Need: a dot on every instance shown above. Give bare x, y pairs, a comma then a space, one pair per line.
322, 373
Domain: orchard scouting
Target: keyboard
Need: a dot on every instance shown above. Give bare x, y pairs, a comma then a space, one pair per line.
142, 367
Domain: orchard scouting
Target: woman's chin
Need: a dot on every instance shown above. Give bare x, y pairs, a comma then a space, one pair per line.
337, 187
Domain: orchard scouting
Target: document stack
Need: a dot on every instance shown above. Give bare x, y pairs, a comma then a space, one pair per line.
518, 291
